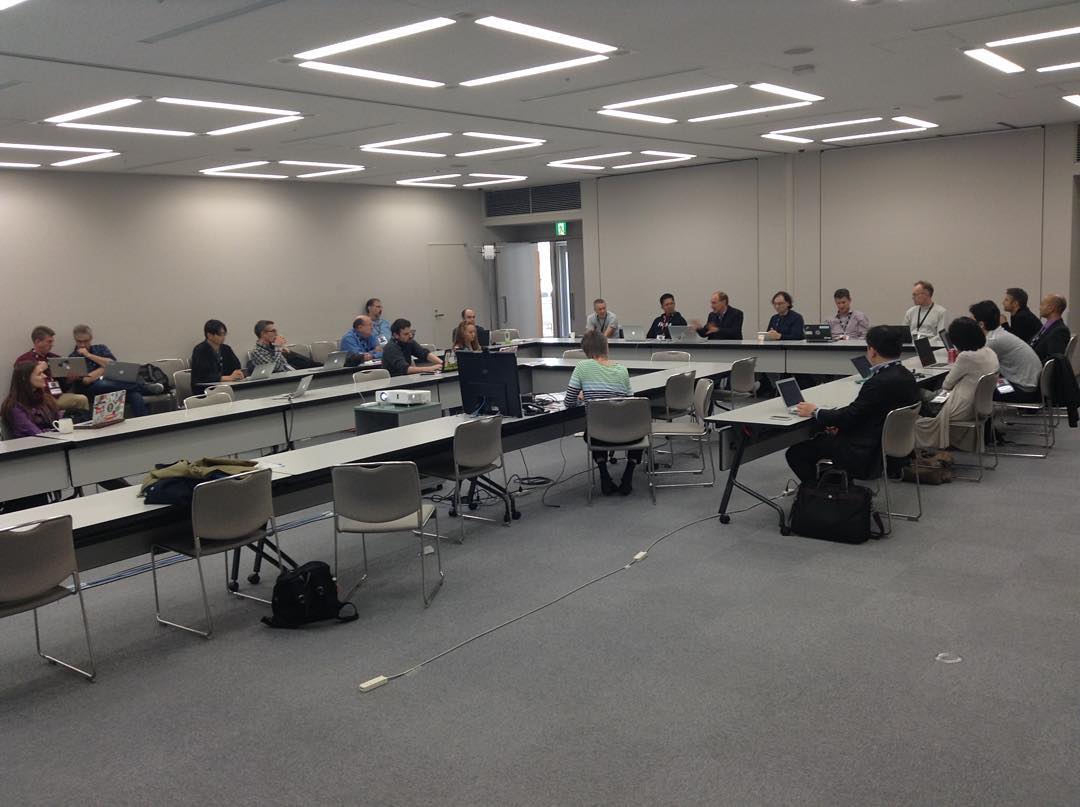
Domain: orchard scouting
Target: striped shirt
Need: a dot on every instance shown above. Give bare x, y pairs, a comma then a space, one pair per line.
597, 381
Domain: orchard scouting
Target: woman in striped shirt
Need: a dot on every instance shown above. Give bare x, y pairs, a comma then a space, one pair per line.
596, 378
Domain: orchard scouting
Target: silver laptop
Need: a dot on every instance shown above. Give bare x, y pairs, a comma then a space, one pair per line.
261, 371
301, 388
335, 359
680, 333
108, 409
122, 371
635, 332
63, 365
790, 392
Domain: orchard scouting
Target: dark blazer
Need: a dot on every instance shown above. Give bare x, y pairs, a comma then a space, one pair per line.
659, 327
205, 367
1053, 340
790, 326
728, 326
1024, 324
859, 423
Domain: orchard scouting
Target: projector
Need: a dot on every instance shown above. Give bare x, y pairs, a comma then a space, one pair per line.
403, 396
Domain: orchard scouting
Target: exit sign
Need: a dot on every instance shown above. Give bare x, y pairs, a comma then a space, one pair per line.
560, 228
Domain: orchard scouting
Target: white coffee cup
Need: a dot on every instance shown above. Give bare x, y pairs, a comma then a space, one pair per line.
64, 425
572, 336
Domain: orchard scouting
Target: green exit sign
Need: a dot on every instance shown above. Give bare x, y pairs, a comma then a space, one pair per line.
560, 228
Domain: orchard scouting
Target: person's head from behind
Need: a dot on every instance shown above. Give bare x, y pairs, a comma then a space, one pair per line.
594, 345
362, 325
667, 303
468, 315
373, 307
28, 387
922, 293
43, 337
966, 334
1015, 299
215, 332
599, 307
401, 330
1052, 306
83, 336
842, 298
883, 343
718, 302
266, 331
782, 302
987, 314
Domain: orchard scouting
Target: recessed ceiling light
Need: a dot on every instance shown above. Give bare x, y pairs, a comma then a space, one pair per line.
758, 111
93, 110
532, 71
373, 74
669, 157
34, 147
519, 143
374, 39
855, 122
871, 134
232, 107
1019, 40
235, 171
334, 168
788, 138
259, 124
991, 59
493, 179
618, 113
20, 165
583, 162
776, 89
671, 96
5, 4
1072, 99
1055, 67
85, 159
543, 33
101, 127
921, 124
430, 182
384, 146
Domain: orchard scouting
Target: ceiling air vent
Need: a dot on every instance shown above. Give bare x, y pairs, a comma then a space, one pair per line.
540, 199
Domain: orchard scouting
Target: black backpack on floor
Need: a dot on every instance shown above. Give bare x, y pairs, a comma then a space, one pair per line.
833, 510
307, 594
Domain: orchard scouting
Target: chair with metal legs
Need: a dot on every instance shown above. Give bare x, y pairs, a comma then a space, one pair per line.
898, 441
697, 429
576, 353
619, 424
983, 412
35, 560
226, 514
670, 355
741, 383
380, 498
321, 350
1044, 415
1072, 354
477, 451
207, 399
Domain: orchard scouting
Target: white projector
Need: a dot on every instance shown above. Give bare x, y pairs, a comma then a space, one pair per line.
403, 396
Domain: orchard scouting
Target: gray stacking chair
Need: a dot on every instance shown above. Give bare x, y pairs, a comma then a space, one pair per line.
224, 389
379, 498
741, 383
1072, 353
477, 451
182, 383
35, 560
620, 424
207, 399
375, 374
1044, 415
697, 430
670, 355
678, 397
168, 399
226, 514
300, 348
576, 353
898, 441
984, 410
321, 350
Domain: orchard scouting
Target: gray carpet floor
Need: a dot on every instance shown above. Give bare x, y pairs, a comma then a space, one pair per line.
732, 667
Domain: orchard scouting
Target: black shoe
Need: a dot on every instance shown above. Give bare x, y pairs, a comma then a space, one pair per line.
607, 484
626, 486
153, 388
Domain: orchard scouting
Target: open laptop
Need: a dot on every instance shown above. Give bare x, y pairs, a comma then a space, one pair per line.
108, 409
635, 332
681, 333
63, 365
945, 340
301, 388
261, 371
926, 354
449, 360
790, 392
335, 360
122, 371
862, 364
820, 332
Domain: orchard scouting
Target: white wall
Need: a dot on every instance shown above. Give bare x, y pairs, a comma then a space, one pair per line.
146, 260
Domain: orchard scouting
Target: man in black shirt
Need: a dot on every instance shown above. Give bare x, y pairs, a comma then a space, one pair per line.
724, 321
212, 361
660, 325
1053, 337
483, 335
1022, 322
400, 351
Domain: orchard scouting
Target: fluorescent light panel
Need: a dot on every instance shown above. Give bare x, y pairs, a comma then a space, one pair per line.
384, 146
372, 74
871, 134
334, 168
234, 171
20, 165
669, 157
1055, 67
855, 122
522, 29
85, 159
493, 179
520, 143
1072, 99
787, 138
618, 113
220, 105
259, 124
533, 71
776, 89
671, 96
376, 38
1019, 40
991, 59
757, 111
920, 124
101, 127
31, 147
6, 4
583, 162
430, 182
93, 110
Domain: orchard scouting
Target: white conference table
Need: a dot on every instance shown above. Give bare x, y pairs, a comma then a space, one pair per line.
29, 466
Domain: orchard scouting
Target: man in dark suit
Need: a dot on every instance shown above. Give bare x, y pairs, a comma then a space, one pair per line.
852, 437
724, 322
1054, 335
669, 317
1021, 321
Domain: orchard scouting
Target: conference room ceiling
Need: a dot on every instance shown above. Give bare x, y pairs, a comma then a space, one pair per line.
887, 65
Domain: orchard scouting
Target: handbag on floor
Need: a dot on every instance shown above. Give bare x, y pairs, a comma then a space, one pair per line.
934, 469
307, 594
834, 510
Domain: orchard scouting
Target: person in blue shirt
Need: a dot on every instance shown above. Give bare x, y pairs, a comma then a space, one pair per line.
98, 357
786, 323
361, 340
380, 327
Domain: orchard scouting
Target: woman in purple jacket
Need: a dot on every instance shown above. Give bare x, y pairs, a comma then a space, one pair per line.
29, 409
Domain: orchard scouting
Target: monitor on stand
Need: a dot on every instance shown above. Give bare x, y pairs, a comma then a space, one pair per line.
489, 383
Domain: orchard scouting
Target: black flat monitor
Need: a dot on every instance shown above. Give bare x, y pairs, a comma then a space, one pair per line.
925, 351
862, 364
945, 340
489, 383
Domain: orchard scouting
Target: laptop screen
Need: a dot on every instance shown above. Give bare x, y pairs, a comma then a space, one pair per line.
926, 353
789, 389
862, 364
945, 340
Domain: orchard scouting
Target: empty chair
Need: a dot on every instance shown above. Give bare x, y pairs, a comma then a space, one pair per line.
678, 396
1072, 353
576, 353
428, 348
898, 441
504, 335
35, 561
182, 382
224, 389
983, 411
741, 383
670, 355
370, 375
476, 452
321, 350
214, 399
619, 424
226, 514
300, 349
383, 497
696, 429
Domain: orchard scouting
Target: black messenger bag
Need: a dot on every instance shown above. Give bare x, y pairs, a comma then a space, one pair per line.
833, 510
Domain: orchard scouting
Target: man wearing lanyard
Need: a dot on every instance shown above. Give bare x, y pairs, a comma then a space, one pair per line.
602, 320
669, 317
847, 324
925, 318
